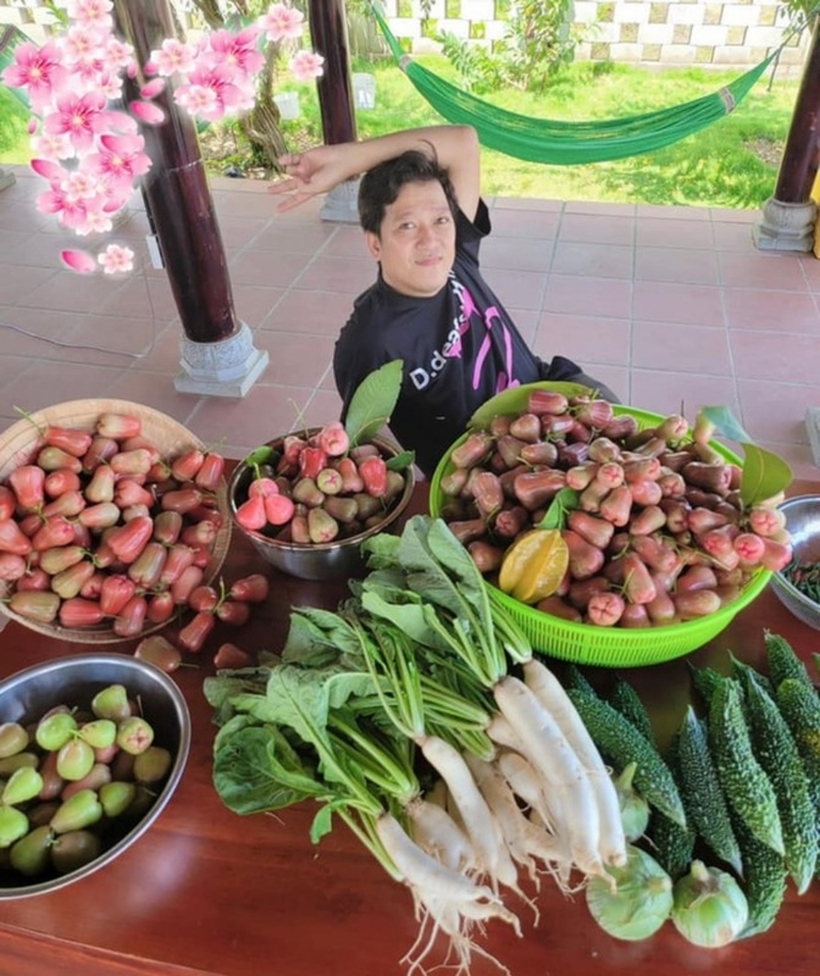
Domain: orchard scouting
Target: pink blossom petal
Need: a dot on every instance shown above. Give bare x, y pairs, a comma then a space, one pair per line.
152, 88
47, 169
118, 122
80, 261
148, 113
32, 126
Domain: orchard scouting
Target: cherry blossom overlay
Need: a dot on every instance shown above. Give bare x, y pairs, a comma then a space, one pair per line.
87, 146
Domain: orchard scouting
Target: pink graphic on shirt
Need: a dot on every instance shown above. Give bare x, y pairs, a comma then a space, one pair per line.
467, 310
504, 379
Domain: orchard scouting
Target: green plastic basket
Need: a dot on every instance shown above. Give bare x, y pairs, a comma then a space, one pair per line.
611, 646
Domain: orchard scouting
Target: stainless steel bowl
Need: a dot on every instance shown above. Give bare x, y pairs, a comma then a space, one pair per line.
317, 561
27, 695
803, 523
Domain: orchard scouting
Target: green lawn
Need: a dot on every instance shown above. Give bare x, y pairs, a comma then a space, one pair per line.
14, 146
732, 163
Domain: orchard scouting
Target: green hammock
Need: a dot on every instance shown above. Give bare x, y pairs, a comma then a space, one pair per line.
570, 143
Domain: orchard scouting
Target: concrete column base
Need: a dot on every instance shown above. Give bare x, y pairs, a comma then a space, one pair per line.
785, 226
813, 431
7, 178
341, 204
228, 368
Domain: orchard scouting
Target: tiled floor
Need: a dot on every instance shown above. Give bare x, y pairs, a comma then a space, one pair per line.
672, 307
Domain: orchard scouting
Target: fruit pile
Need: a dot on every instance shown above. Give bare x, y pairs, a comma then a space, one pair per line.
99, 529
317, 488
74, 780
572, 508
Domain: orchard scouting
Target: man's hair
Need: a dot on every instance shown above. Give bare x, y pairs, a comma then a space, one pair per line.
381, 185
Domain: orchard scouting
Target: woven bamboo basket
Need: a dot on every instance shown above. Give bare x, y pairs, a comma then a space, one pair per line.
19, 445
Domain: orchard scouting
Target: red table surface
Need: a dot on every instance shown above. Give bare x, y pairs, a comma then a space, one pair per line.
206, 891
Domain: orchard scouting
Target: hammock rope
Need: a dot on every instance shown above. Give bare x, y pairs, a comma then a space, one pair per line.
567, 143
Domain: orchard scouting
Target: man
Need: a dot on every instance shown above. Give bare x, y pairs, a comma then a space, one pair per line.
424, 219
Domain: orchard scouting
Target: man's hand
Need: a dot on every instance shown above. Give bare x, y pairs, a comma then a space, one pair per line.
309, 173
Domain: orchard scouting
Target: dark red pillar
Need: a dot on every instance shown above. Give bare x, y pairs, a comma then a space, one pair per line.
801, 155
328, 31
176, 191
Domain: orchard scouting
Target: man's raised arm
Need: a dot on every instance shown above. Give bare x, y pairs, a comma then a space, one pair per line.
320, 169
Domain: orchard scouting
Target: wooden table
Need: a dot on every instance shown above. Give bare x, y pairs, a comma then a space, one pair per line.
207, 892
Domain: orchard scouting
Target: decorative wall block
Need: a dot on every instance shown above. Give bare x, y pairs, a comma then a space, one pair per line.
657, 33
630, 13
685, 13
679, 54
708, 35
607, 32
704, 54
712, 13
626, 53
735, 35
586, 11
658, 13
496, 30
459, 27
768, 14
682, 33
735, 14
651, 52
478, 9
628, 33
764, 36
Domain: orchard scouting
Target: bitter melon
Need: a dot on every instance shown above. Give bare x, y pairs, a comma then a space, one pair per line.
703, 797
800, 707
628, 702
746, 786
764, 881
776, 751
783, 662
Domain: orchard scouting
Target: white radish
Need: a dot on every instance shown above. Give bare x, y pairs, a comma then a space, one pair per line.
450, 898
549, 691
547, 748
479, 824
501, 801
435, 831
525, 783
502, 733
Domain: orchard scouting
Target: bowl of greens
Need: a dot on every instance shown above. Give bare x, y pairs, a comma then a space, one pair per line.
798, 585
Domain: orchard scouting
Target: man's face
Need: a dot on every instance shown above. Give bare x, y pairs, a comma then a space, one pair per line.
417, 242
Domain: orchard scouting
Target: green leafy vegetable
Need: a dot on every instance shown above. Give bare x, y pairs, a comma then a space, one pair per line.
373, 402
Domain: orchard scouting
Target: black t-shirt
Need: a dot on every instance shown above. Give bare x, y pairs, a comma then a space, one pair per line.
459, 347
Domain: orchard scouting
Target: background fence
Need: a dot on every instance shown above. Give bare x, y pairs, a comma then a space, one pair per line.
729, 34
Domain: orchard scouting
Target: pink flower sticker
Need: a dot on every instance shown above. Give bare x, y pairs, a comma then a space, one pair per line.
172, 57
91, 13
116, 259
281, 22
80, 261
306, 65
